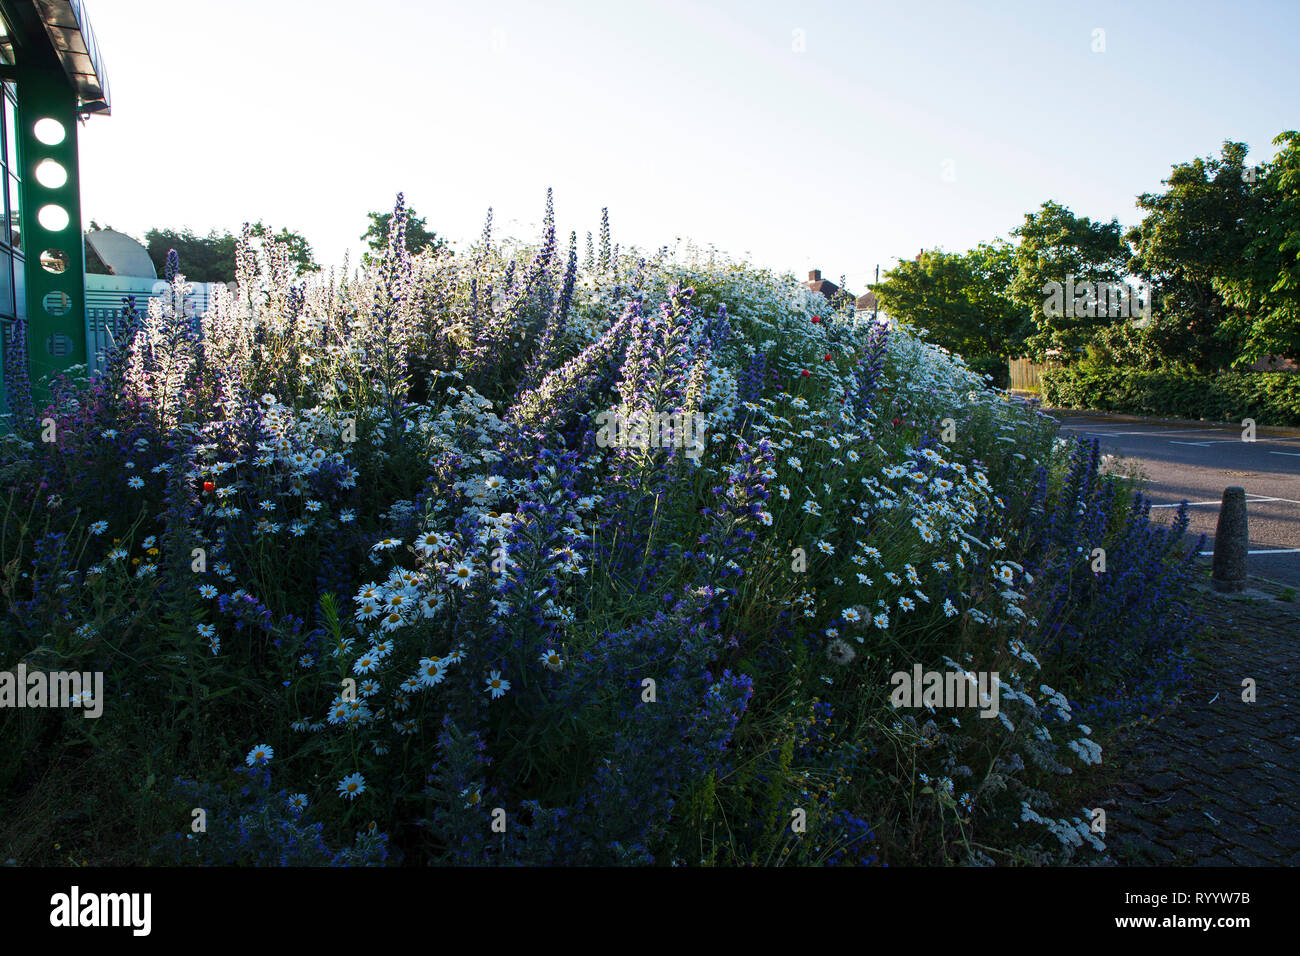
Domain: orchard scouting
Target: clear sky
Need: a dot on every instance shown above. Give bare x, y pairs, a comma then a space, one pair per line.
805, 134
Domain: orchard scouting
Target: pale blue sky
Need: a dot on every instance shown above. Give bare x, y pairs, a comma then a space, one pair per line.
691, 120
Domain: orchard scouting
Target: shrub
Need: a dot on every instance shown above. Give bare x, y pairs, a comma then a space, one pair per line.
1270, 398
994, 366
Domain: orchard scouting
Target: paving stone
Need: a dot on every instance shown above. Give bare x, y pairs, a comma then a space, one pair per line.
1218, 784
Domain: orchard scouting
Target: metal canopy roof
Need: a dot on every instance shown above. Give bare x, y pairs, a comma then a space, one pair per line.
73, 39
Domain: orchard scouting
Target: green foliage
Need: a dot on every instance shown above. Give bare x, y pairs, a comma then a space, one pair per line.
1263, 282
211, 258
1055, 245
959, 298
1271, 398
1190, 232
419, 238
992, 365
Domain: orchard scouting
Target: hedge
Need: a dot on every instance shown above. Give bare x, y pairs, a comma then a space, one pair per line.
1270, 398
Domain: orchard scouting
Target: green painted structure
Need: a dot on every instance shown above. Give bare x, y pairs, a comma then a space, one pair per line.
53, 77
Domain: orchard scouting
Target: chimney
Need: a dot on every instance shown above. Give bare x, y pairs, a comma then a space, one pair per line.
815, 275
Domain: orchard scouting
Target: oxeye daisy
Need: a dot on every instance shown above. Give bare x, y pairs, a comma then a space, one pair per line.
260, 754
497, 685
432, 670
551, 660
98, 527
366, 663
137, 482
428, 543
207, 591
784, 492
386, 544
352, 786
948, 609
461, 573
297, 802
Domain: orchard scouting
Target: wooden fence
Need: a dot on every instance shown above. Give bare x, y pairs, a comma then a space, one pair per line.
1025, 374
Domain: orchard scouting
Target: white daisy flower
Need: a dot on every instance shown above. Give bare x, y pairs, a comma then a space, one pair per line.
352, 786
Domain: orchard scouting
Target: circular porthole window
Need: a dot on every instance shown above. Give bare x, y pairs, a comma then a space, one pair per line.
55, 261
53, 218
49, 131
50, 174
57, 303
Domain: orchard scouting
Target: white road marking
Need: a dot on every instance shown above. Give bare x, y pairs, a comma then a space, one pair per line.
1190, 504
1199, 444
1289, 454
1250, 500
1281, 551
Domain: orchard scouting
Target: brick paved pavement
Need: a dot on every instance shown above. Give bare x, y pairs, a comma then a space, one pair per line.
1216, 781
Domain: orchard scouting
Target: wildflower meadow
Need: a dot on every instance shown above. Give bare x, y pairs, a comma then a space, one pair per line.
562, 553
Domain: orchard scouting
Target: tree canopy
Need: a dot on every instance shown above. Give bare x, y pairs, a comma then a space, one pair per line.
211, 258
418, 236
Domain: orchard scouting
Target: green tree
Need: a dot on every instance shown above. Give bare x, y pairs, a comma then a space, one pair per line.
1190, 232
418, 237
959, 298
211, 258
1263, 283
1056, 246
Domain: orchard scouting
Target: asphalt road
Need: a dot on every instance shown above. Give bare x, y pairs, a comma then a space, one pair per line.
1196, 461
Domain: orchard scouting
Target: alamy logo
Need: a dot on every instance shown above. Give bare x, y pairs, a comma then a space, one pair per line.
645, 430
53, 689
1096, 300
76, 909
951, 689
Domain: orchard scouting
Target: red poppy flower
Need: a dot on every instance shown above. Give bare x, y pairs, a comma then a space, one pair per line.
805, 373
209, 486
816, 319
896, 421
828, 356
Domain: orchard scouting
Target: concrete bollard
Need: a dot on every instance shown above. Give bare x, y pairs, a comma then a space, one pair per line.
1230, 537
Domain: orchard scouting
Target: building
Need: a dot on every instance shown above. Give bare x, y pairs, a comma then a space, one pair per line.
818, 284
52, 74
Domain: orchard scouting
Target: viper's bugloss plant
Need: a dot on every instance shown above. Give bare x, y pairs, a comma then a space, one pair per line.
372, 522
